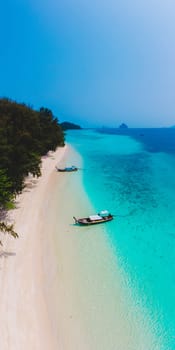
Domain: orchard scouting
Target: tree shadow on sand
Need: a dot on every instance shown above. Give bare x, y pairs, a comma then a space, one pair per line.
4, 254
3, 215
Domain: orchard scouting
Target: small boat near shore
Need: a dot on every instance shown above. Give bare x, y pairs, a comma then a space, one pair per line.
67, 169
103, 216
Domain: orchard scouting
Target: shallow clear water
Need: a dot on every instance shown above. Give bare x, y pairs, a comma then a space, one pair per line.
131, 173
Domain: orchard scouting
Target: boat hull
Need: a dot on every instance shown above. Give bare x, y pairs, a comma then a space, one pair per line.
67, 170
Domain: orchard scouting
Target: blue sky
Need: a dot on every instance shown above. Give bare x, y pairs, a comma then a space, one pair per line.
92, 62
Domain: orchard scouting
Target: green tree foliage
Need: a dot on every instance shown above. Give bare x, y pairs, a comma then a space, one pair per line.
5, 190
8, 229
51, 132
25, 136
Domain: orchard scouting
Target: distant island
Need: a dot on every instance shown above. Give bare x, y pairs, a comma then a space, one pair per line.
70, 126
123, 126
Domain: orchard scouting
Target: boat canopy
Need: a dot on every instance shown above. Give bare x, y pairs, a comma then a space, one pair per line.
104, 213
95, 217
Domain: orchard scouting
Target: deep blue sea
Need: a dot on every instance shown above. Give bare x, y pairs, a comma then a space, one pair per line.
131, 173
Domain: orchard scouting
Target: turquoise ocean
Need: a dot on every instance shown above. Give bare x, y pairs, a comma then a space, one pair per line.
131, 173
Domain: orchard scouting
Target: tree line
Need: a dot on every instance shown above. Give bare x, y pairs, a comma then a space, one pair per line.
25, 136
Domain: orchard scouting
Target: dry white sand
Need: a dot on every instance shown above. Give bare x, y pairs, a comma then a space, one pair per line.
24, 315
59, 286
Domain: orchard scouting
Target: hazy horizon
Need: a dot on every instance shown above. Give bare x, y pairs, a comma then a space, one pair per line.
92, 63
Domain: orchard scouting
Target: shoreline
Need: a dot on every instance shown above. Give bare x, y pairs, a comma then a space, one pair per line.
61, 289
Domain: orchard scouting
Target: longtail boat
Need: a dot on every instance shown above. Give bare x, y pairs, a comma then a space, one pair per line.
67, 169
103, 216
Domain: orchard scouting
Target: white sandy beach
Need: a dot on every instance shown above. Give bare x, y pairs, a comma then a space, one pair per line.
24, 314
57, 287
